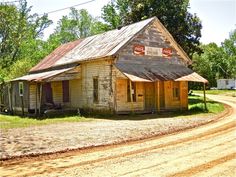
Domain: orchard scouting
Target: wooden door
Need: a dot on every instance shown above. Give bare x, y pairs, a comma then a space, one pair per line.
149, 96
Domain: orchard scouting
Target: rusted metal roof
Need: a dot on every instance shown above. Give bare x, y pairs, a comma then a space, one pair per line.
97, 46
136, 78
157, 70
56, 55
103, 45
38, 77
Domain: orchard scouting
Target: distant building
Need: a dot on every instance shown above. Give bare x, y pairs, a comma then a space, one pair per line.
226, 84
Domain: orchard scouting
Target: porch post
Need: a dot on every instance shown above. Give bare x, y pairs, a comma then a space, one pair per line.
158, 96
10, 97
40, 97
36, 99
131, 97
204, 94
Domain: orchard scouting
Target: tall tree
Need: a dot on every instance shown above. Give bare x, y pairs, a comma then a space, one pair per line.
20, 35
184, 26
217, 61
17, 26
78, 24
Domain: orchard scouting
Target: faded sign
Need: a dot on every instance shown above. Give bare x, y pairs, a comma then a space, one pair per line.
139, 49
166, 52
152, 51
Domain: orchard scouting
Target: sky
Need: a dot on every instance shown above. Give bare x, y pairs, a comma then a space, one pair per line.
218, 16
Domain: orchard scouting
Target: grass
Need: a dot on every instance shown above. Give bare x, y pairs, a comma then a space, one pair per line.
218, 92
8, 121
196, 107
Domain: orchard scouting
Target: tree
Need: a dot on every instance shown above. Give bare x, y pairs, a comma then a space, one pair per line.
78, 24
17, 27
184, 26
21, 44
217, 61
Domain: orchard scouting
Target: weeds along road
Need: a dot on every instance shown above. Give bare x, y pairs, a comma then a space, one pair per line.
209, 150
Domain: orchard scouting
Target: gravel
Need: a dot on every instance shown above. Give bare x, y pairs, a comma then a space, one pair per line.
64, 136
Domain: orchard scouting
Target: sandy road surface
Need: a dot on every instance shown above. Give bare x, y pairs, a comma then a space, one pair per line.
209, 150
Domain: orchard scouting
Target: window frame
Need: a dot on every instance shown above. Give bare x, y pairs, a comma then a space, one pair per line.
176, 91
21, 88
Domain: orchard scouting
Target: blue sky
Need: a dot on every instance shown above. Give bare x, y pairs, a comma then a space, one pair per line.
218, 16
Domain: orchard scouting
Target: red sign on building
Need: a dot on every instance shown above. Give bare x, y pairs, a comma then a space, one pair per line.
167, 52
139, 50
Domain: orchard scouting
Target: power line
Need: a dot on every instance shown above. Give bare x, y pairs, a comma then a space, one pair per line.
68, 7
8, 2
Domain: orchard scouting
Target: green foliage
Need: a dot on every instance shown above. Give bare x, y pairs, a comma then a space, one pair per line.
217, 62
78, 24
185, 27
20, 38
8, 122
196, 104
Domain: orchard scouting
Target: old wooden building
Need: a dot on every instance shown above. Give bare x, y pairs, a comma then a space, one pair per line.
137, 68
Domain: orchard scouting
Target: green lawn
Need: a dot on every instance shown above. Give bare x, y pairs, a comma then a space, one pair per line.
218, 92
196, 107
196, 104
8, 121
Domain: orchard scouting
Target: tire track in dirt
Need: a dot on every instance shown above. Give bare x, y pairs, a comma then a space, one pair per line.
204, 166
177, 158
213, 132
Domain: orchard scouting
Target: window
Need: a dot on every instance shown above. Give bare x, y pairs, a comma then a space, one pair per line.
95, 89
133, 91
21, 88
227, 82
176, 94
65, 88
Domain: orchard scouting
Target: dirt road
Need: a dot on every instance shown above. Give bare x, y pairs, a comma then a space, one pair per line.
209, 150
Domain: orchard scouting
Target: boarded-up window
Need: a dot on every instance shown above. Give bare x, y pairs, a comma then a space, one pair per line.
176, 90
95, 89
48, 92
65, 88
132, 90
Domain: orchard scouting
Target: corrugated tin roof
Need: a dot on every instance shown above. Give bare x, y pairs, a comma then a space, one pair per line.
97, 46
158, 70
194, 77
42, 76
102, 45
56, 55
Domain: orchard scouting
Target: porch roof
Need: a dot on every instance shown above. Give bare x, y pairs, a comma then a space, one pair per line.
143, 70
39, 77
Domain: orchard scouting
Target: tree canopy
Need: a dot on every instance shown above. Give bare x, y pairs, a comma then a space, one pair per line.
217, 61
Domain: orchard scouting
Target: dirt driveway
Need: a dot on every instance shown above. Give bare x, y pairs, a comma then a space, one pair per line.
208, 150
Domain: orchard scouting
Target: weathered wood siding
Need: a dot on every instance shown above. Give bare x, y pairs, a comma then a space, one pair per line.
75, 93
104, 71
121, 97
16, 99
151, 37
170, 102
32, 96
